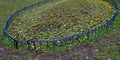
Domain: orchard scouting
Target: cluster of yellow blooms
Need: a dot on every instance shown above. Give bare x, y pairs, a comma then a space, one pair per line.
105, 4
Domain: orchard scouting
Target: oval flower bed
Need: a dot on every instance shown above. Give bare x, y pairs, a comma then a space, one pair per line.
59, 19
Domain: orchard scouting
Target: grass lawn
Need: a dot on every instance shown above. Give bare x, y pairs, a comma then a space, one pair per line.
107, 47
7, 7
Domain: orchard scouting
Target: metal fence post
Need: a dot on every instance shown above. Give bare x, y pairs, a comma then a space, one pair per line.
88, 34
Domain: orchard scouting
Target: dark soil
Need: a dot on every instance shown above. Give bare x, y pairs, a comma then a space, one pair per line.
3, 51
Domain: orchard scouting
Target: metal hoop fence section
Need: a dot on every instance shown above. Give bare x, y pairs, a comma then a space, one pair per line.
78, 37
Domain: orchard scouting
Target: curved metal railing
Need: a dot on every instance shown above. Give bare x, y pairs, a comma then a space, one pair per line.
61, 40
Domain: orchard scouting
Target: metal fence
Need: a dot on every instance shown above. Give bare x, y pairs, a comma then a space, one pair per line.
81, 36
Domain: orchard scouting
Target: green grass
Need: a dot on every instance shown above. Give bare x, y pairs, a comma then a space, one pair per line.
110, 51
59, 19
10, 6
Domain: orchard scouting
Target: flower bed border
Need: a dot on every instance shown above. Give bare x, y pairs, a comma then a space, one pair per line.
55, 41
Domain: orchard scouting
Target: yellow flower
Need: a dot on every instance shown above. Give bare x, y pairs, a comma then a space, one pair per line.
80, 41
81, 30
85, 37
